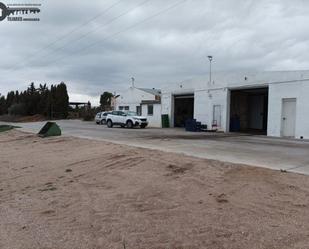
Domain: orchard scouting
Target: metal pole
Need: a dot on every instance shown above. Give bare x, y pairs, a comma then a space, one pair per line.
210, 72
210, 60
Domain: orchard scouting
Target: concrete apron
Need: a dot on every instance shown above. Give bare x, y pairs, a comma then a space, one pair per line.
287, 155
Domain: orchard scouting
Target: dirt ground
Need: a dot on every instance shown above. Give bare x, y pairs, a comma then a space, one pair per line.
22, 119
73, 193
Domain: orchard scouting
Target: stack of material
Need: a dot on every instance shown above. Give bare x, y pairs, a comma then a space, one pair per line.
193, 125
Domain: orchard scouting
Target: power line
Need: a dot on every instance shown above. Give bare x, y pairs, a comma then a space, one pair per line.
60, 38
82, 25
106, 24
124, 30
91, 31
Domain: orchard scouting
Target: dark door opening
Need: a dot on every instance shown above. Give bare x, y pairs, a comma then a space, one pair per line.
183, 109
249, 110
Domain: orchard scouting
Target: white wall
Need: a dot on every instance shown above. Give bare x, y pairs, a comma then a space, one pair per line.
167, 106
236, 79
204, 105
284, 84
132, 97
155, 119
302, 112
288, 84
167, 97
298, 90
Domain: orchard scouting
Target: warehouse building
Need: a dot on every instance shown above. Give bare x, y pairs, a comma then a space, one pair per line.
144, 101
270, 103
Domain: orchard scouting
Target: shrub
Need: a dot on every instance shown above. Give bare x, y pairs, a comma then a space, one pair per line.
88, 117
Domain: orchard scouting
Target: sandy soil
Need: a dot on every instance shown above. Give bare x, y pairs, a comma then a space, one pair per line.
22, 119
73, 193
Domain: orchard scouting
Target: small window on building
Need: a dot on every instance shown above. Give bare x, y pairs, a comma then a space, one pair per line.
120, 108
150, 110
126, 108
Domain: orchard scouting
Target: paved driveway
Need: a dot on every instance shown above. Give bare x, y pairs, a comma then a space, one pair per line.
275, 153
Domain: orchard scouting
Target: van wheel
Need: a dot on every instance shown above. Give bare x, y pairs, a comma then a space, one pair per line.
109, 123
130, 124
103, 122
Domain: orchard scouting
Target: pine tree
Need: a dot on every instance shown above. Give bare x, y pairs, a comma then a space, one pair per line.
105, 101
53, 102
3, 109
61, 101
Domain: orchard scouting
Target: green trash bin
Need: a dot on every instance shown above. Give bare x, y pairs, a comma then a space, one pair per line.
50, 129
165, 121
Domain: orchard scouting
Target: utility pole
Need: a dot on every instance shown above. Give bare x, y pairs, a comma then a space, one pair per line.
210, 60
133, 81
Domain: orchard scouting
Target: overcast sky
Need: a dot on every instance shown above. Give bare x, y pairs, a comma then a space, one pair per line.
170, 46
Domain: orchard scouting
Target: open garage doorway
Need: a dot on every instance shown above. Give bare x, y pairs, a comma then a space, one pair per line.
249, 110
183, 109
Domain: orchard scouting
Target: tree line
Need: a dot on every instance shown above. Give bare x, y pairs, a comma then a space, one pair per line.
51, 102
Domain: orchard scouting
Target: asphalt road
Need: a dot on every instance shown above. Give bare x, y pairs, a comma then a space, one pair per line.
274, 153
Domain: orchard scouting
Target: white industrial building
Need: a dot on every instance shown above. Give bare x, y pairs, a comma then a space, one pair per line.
143, 101
273, 103
270, 103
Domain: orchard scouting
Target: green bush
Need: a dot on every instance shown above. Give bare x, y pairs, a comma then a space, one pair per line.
88, 117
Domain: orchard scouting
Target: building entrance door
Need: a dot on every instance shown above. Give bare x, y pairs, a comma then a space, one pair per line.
288, 117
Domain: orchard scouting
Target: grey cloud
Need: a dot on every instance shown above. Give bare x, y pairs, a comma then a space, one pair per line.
240, 34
